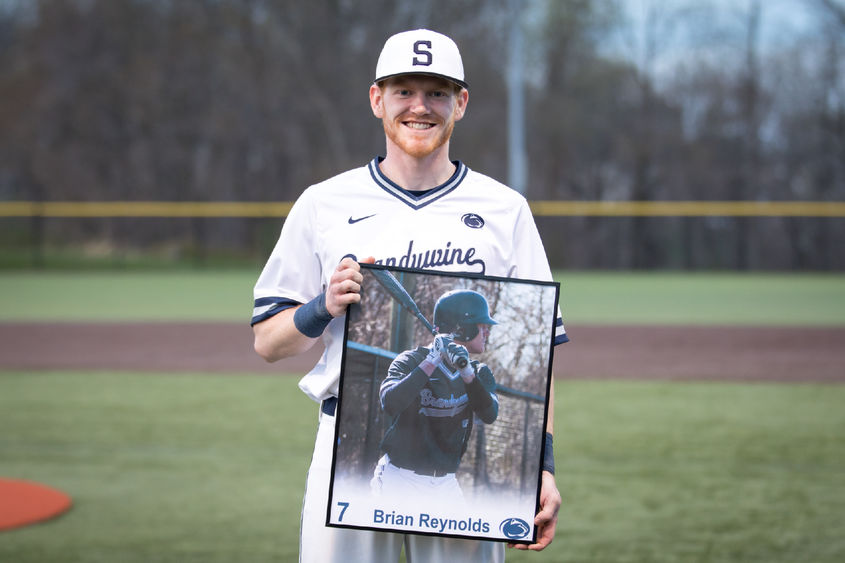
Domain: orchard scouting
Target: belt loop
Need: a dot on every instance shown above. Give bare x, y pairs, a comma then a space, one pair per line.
329, 406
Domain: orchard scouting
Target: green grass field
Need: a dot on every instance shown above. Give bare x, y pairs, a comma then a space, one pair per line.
211, 468
198, 467
594, 298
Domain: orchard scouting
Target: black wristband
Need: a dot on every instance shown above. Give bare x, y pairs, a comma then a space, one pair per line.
549, 455
312, 318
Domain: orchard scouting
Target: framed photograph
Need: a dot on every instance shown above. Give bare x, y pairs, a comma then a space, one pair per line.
442, 405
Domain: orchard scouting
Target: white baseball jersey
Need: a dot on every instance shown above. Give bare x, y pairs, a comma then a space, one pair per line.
470, 224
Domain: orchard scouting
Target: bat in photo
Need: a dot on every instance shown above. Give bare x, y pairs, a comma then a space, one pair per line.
395, 289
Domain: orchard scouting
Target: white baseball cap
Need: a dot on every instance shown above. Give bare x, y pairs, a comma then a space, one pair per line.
421, 51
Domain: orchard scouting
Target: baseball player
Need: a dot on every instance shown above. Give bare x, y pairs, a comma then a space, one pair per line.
414, 207
432, 394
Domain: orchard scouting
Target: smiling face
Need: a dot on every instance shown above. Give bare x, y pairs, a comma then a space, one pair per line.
418, 112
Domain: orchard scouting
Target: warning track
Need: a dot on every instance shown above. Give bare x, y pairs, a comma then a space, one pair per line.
683, 353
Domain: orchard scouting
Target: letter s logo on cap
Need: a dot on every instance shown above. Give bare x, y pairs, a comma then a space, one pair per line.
420, 49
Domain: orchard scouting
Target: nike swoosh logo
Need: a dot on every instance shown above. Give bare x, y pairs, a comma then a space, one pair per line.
353, 221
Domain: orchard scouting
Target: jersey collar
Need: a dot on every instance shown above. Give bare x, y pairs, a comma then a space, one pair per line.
417, 200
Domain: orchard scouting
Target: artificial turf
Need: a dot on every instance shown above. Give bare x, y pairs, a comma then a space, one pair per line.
211, 468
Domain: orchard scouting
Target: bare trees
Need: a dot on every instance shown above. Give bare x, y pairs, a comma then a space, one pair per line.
255, 99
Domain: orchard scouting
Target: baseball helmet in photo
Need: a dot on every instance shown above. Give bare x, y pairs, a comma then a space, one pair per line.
421, 51
460, 311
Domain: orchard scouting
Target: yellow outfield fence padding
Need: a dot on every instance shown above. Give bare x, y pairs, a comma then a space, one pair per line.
165, 209
688, 208
144, 209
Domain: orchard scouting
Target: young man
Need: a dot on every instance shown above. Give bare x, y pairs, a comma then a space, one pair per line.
433, 395
415, 208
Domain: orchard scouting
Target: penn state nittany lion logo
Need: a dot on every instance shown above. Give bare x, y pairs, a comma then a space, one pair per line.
514, 528
473, 220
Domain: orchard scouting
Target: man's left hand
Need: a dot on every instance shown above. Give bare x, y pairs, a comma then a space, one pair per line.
456, 356
546, 519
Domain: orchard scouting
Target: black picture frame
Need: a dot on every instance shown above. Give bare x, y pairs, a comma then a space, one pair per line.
499, 476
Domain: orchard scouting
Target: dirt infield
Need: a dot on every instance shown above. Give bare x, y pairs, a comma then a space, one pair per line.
611, 352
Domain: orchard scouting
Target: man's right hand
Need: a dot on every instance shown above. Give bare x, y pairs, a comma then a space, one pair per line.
437, 351
345, 286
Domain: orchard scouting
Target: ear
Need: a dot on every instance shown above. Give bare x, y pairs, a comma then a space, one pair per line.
462, 99
377, 100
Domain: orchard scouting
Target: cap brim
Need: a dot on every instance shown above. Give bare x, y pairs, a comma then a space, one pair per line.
460, 83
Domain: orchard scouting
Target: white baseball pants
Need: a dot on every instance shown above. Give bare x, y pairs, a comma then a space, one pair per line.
319, 543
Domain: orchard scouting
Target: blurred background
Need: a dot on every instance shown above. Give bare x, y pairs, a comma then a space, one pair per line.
252, 100
685, 162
